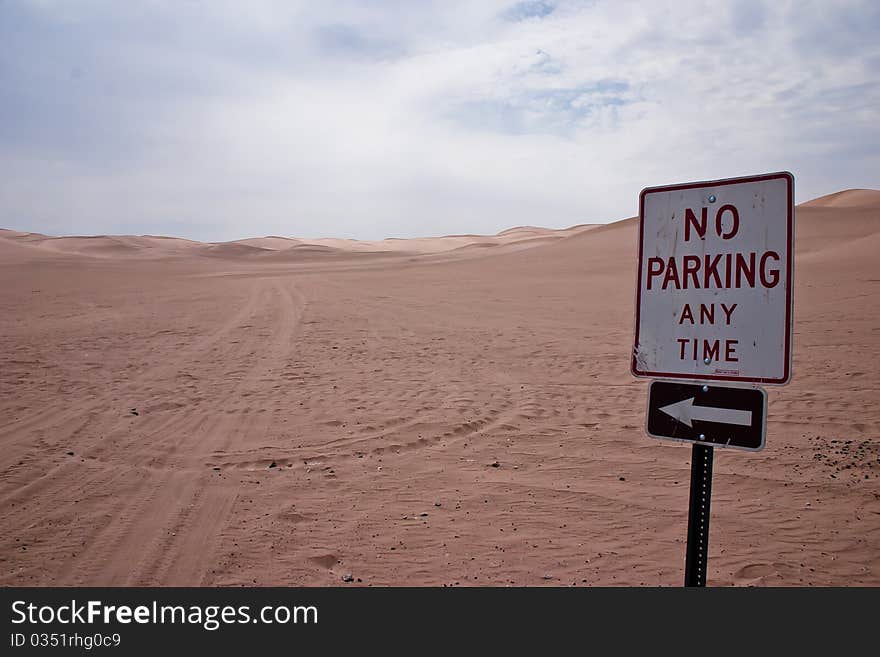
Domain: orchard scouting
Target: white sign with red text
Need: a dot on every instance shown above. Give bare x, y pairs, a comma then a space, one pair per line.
714, 292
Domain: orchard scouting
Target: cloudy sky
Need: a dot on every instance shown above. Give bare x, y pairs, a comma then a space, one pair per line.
218, 120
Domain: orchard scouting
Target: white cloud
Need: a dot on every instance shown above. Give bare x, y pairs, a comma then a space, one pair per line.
224, 120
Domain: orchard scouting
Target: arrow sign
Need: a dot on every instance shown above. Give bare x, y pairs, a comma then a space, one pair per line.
685, 412
726, 416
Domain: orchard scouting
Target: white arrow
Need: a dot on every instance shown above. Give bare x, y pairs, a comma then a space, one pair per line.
685, 412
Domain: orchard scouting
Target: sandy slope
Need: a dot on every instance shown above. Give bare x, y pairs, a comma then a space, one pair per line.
462, 417
848, 198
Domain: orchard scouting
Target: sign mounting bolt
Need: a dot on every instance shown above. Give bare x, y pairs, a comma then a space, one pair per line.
707, 360
712, 198
705, 388
702, 436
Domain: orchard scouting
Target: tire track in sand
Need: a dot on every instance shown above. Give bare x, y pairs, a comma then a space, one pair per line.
176, 534
14, 436
152, 487
136, 448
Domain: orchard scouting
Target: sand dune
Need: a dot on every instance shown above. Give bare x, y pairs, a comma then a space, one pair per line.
15, 251
231, 250
272, 242
848, 198
146, 246
524, 231
104, 246
439, 411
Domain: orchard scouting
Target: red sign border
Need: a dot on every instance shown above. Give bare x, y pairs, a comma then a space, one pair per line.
786, 376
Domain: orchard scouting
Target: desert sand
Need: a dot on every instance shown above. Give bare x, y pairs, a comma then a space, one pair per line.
440, 411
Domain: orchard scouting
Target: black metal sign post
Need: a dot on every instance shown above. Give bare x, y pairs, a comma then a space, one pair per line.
698, 515
707, 416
